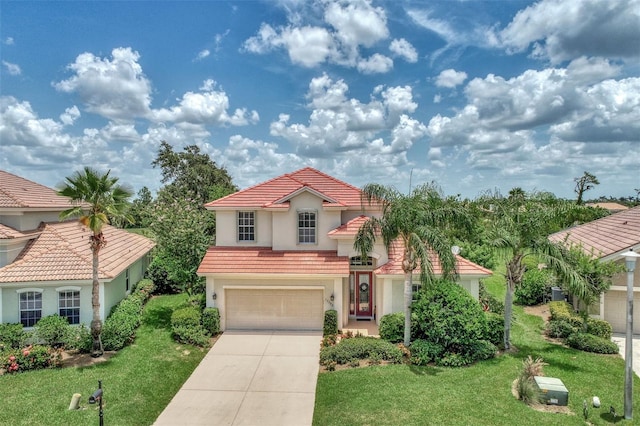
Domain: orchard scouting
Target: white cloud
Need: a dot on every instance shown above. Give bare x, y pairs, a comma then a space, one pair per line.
562, 30
375, 64
202, 54
70, 115
451, 78
8, 41
115, 88
404, 49
348, 26
12, 69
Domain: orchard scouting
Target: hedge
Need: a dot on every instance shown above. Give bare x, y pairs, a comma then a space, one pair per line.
187, 328
330, 326
211, 320
360, 348
31, 358
12, 336
590, 343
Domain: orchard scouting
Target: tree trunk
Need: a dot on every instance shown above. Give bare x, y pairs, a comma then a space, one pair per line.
96, 323
408, 299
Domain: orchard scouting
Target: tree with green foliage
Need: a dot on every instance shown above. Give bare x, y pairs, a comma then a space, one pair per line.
519, 227
97, 198
421, 221
140, 210
584, 183
192, 172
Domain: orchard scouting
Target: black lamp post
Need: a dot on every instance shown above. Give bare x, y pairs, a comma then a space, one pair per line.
97, 396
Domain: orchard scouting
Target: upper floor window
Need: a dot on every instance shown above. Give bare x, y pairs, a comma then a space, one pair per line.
69, 305
307, 227
30, 308
246, 226
359, 261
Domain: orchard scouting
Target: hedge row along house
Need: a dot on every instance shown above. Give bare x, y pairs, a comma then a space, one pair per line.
46, 264
284, 255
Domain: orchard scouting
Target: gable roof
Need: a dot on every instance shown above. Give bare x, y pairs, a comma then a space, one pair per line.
276, 192
61, 253
9, 233
264, 260
605, 236
20, 193
349, 229
394, 265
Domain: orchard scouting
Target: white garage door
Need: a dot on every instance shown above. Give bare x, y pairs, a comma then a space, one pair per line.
615, 311
274, 309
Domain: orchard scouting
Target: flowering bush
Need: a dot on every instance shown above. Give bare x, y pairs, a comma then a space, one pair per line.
30, 358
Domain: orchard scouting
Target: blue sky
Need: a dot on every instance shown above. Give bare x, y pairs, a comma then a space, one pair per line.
474, 95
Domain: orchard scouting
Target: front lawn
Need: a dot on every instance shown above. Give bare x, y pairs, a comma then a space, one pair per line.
138, 382
476, 395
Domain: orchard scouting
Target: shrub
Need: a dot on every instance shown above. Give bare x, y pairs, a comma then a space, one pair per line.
157, 272
560, 329
198, 301
12, 336
211, 321
54, 330
590, 343
481, 350
120, 327
392, 327
533, 287
360, 348
527, 390
423, 352
599, 328
453, 360
31, 358
564, 311
186, 326
80, 339
145, 289
489, 301
532, 367
449, 316
330, 326
329, 340
495, 329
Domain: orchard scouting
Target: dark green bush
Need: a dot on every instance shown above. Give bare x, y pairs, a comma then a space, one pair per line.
481, 350
533, 287
157, 272
31, 358
186, 326
599, 328
211, 321
360, 348
424, 352
453, 360
392, 327
590, 343
561, 329
198, 301
330, 326
119, 330
495, 329
54, 330
564, 311
145, 287
12, 336
449, 316
80, 339
489, 301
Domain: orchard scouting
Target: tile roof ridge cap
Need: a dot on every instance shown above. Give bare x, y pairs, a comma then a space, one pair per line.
13, 197
328, 176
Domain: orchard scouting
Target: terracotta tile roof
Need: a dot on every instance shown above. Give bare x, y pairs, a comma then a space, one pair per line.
605, 236
394, 265
9, 233
612, 207
349, 229
273, 193
264, 260
21, 193
62, 252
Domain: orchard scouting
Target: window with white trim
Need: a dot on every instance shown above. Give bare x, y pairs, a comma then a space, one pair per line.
307, 227
69, 305
246, 226
30, 308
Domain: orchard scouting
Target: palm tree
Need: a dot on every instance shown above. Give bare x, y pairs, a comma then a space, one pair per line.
519, 227
96, 198
420, 221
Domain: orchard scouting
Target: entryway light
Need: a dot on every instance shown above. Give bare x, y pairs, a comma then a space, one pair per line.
332, 297
214, 296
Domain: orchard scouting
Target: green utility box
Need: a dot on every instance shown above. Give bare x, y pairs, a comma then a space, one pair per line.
552, 390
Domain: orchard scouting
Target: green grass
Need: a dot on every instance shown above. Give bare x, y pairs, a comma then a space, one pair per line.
138, 382
475, 395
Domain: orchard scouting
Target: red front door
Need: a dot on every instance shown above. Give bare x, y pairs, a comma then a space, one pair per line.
364, 294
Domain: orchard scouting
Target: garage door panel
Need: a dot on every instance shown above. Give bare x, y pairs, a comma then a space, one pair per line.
274, 309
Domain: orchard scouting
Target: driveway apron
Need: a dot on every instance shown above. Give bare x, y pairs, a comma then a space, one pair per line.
620, 339
251, 378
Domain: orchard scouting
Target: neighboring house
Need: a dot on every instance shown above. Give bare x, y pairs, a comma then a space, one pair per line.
46, 265
607, 239
284, 255
611, 207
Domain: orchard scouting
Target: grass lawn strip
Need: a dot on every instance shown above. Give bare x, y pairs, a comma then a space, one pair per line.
138, 382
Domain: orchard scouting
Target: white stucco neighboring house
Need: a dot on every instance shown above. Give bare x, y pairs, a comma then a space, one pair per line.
46, 265
607, 239
284, 255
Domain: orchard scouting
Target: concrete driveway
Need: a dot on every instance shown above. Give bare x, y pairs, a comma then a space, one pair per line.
620, 340
250, 378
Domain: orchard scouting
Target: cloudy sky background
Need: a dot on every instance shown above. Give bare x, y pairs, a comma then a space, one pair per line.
475, 95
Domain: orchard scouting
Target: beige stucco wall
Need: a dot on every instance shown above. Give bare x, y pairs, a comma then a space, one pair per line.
28, 221
227, 227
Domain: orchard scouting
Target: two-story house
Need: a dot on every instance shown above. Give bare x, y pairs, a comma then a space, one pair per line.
284, 254
46, 265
